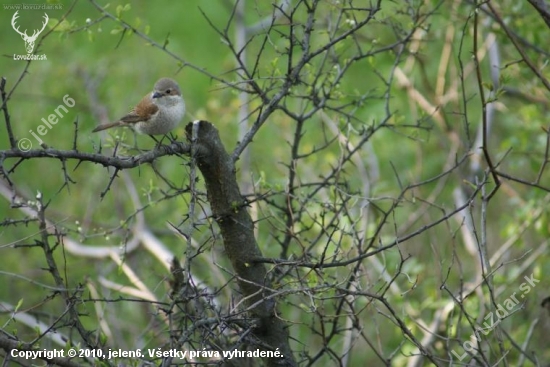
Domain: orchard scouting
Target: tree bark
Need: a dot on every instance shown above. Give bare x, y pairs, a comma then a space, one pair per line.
237, 230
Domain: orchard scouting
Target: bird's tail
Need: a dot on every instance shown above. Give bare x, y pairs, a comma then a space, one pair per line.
106, 126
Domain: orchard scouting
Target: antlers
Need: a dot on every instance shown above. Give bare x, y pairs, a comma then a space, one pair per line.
29, 40
13, 24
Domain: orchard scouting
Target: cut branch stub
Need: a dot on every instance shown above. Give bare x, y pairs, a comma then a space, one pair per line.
229, 209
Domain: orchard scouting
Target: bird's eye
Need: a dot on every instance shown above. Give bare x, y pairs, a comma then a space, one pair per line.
168, 91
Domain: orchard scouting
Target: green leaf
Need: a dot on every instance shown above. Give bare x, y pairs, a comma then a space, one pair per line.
488, 85
18, 305
120, 9
64, 26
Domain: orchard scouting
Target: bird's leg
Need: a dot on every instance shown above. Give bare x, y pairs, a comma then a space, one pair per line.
156, 141
135, 140
135, 147
173, 138
169, 136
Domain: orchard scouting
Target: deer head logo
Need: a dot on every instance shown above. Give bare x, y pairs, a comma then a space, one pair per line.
29, 40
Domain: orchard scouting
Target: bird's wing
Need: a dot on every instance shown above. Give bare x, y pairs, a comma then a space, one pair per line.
143, 111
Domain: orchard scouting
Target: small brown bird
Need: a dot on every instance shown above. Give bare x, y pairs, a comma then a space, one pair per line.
157, 113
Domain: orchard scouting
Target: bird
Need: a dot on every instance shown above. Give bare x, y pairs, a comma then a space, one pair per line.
158, 113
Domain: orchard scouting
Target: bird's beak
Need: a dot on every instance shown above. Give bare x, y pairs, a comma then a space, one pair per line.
157, 95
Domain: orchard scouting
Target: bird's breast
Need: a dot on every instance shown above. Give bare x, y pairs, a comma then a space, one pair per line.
165, 120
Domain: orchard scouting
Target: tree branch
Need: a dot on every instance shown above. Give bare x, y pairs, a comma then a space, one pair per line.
237, 229
118, 162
